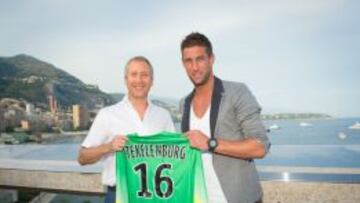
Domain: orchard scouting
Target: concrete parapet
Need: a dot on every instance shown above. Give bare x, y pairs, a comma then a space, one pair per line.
310, 192
274, 191
51, 181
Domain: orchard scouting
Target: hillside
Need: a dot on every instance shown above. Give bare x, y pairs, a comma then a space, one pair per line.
25, 77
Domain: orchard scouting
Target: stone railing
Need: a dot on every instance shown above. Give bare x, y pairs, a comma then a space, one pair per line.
277, 190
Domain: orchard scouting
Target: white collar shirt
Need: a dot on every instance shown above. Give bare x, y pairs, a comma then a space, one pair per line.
122, 119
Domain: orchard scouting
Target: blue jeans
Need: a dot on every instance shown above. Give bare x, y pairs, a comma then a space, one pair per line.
110, 195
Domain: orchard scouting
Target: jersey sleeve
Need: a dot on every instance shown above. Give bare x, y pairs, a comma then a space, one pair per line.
200, 192
121, 180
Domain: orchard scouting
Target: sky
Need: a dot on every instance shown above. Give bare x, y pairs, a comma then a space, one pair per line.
295, 56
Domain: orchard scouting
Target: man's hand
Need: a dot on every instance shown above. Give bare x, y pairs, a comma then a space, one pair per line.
198, 139
118, 143
93, 154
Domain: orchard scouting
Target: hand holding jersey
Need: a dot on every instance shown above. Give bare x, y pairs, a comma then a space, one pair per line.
198, 139
118, 143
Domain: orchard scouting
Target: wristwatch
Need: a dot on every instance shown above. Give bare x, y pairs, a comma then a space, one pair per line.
212, 143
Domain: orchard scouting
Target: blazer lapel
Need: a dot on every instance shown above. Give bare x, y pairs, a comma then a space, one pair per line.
185, 121
215, 104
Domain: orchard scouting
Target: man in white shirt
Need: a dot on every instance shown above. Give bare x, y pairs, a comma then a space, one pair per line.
134, 114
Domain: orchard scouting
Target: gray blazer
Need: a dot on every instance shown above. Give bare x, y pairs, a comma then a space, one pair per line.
234, 115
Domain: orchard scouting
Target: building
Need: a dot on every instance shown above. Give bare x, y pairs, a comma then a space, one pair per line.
25, 125
30, 110
80, 117
11, 113
52, 104
13, 117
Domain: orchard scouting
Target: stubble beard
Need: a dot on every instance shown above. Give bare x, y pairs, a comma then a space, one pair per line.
204, 80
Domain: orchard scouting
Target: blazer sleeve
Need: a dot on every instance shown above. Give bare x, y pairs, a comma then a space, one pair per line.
248, 116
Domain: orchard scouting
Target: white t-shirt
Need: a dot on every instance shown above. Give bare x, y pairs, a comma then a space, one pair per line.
215, 193
122, 118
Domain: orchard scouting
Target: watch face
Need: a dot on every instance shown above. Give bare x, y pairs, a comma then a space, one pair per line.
212, 143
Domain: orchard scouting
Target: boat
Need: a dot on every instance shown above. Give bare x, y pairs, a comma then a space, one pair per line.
304, 124
342, 136
274, 127
355, 126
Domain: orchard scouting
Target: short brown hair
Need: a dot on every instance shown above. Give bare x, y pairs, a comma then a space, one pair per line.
197, 39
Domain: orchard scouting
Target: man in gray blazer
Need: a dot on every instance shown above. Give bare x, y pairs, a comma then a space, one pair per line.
223, 118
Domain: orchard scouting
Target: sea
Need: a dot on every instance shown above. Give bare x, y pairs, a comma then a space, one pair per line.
314, 143
324, 143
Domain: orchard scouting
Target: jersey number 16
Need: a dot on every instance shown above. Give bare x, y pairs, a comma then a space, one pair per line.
158, 179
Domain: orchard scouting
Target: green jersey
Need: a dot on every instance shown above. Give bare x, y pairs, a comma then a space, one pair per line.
159, 168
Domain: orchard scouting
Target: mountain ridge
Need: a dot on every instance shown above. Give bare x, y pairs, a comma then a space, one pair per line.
26, 77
